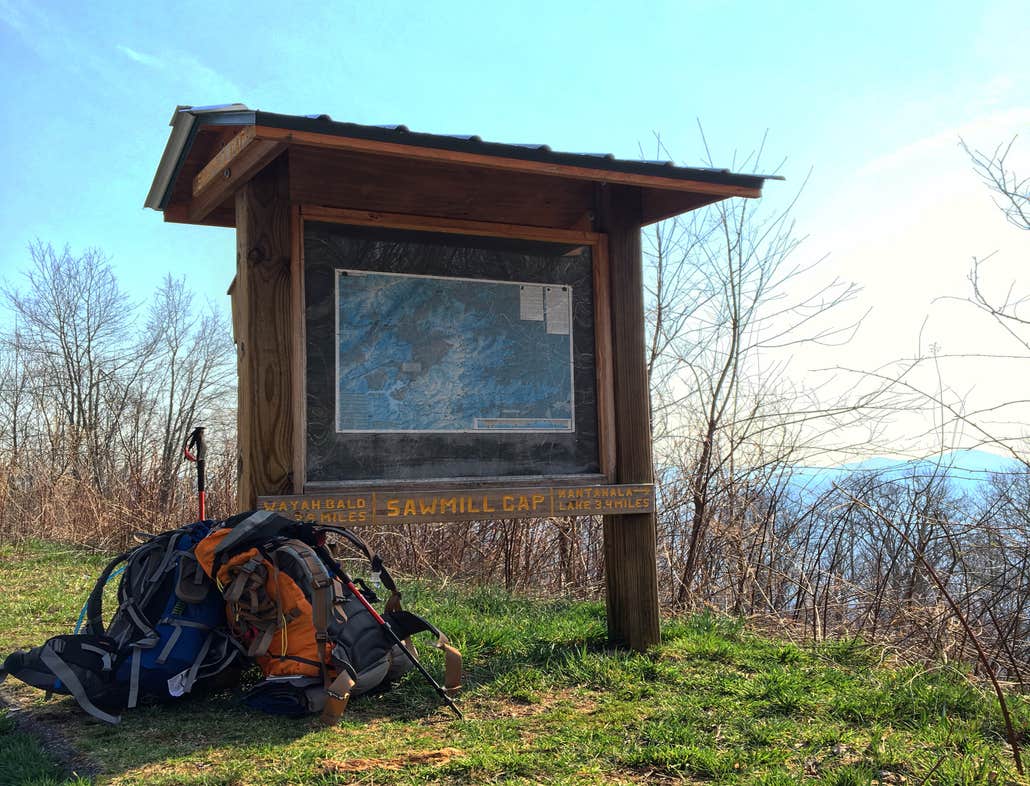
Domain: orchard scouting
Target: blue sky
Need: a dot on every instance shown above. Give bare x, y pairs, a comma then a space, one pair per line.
870, 96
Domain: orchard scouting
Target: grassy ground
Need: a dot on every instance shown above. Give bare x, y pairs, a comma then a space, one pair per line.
546, 701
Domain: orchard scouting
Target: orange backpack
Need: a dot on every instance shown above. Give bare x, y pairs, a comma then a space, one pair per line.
287, 605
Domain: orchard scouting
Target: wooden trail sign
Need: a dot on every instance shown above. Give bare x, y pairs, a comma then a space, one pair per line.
393, 507
417, 311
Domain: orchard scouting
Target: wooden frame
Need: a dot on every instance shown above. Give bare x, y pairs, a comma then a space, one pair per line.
298, 391
602, 328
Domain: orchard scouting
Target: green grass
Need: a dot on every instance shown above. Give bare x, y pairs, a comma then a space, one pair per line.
545, 701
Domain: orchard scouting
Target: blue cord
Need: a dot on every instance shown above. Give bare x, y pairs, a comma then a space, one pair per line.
82, 614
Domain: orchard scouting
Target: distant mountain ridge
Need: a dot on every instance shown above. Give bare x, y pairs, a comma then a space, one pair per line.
966, 470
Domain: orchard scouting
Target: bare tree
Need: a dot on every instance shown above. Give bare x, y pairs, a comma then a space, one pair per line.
725, 289
94, 408
74, 335
1011, 190
191, 369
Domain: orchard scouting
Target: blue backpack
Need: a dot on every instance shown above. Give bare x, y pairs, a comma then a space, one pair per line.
167, 636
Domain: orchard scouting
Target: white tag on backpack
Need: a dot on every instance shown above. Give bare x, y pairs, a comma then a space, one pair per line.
177, 684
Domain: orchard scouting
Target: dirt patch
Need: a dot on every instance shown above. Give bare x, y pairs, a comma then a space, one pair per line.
43, 725
487, 709
441, 756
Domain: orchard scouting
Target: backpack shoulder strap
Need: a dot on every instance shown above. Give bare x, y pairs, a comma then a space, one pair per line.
95, 603
322, 594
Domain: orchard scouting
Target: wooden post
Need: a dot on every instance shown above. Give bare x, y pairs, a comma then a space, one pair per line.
630, 548
262, 305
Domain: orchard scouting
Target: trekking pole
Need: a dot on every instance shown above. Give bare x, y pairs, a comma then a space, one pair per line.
199, 452
335, 567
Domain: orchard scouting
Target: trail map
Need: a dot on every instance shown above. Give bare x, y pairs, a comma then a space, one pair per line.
434, 354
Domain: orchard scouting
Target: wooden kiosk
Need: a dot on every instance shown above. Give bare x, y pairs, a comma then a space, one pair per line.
435, 328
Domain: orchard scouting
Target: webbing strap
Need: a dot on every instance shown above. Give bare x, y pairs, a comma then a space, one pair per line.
105, 656
185, 623
134, 678
406, 624
337, 696
63, 672
166, 559
150, 636
245, 575
261, 644
191, 677
170, 644
321, 584
452, 665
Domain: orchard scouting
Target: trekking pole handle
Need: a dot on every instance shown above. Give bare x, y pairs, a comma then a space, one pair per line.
349, 583
197, 455
196, 441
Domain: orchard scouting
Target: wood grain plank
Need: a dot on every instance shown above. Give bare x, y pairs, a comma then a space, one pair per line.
659, 205
264, 346
222, 216
384, 184
399, 506
299, 366
603, 360
247, 162
223, 160
445, 225
630, 542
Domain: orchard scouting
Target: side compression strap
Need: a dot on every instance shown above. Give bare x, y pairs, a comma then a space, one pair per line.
61, 670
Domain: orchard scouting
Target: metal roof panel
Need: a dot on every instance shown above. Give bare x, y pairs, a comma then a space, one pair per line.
189, 120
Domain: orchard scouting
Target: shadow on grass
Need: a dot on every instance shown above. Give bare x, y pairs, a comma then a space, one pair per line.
508, 668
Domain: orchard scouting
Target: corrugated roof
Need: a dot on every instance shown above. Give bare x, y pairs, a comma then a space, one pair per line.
188, 121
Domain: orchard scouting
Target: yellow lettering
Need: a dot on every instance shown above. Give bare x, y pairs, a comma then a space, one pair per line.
270, 506
538, 500
487, 508
425, 507
393, 507
508, 503
409, 507
451, 503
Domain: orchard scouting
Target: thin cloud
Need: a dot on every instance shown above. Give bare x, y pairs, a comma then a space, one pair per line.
988, 129
13, 17
139, 57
